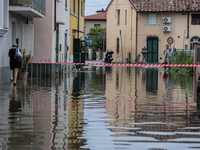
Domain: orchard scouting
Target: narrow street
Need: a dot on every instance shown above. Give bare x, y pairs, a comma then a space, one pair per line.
101, 108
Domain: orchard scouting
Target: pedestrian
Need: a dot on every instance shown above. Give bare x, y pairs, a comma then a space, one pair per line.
169, 56
166, 49
144, 54
14, 64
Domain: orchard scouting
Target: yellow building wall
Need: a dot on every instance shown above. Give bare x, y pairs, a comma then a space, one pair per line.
74, 22
128, 30
82, 19
178, 31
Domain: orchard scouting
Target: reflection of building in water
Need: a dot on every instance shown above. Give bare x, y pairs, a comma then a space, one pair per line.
76, 112
130, 101
51, 111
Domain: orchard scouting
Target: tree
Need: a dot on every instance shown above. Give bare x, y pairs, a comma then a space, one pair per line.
95, 34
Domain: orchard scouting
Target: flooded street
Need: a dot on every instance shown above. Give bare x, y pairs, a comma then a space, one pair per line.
101, 108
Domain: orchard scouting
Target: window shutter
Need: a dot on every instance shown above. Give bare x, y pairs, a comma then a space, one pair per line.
152, 18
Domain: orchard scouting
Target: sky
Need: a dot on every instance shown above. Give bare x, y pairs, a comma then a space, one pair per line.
91, 6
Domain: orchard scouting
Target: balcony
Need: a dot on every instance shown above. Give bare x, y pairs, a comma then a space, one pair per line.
28, 8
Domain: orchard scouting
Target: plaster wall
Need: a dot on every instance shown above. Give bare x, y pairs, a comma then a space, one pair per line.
45, 36
128, 31
91, 23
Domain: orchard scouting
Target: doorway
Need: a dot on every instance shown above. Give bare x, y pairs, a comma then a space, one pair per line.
152, 50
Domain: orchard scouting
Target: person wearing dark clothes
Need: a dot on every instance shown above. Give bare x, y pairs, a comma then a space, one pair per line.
144, 54
14, 64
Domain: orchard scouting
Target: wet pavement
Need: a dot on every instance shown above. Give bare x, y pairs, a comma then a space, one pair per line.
101, 108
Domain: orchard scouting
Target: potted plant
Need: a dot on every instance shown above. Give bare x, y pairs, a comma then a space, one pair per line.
138, 57
23, 72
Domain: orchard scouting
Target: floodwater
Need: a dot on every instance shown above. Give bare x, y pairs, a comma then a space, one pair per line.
101, 108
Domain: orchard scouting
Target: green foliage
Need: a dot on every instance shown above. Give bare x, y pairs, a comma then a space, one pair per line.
139, 55
183, 58
184, 81
26, 59
96, 33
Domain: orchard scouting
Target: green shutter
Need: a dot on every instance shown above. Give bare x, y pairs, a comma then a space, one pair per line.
152, 80
152, 50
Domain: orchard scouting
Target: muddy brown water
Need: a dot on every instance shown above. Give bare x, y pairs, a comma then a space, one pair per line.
101, 108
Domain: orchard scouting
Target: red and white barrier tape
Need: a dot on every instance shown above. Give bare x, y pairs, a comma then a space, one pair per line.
113, 64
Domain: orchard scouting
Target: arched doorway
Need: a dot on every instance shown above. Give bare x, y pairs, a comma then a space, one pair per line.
194, 40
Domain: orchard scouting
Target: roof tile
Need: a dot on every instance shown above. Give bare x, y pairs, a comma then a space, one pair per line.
167, 5
99, 16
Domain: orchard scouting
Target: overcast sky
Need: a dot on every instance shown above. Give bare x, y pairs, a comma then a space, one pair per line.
91, 6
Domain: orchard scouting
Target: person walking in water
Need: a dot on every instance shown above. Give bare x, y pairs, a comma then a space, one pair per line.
144, 54
14, 64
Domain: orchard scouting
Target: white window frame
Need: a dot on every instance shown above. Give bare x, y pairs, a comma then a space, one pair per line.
153, 21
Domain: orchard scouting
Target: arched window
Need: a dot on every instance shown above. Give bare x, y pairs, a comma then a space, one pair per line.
194, 40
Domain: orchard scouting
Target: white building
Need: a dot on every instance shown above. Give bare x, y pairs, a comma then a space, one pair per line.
52, 34
16, 26
98, 19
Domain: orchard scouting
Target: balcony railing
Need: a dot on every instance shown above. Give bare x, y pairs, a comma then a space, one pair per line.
39, 5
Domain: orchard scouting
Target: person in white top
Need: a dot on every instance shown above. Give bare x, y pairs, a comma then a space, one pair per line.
169, 55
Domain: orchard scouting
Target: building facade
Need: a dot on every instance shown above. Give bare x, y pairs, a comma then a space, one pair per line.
95, 20
16, 26
121, 30
174, 19
77, 29
152, 23
52, 33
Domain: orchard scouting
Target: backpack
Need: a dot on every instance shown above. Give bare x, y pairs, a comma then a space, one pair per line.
18, 55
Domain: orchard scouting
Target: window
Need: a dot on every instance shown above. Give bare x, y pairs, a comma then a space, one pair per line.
74, 6
82, 8
194, 40
118, 17
117, 45
65, 3
95, 25
125, 17
152, 19
196, 19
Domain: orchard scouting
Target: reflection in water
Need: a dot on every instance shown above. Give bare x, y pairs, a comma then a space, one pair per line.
101, 108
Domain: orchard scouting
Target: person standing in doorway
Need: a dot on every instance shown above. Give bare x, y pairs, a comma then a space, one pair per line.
144, 54
14, 64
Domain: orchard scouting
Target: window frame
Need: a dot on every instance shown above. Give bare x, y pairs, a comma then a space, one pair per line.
74, 7
118, 44
65, 4
126, 16
148, 19
198, 17
82, 8
97, 25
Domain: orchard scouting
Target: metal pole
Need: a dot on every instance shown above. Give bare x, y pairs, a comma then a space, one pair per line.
103, 45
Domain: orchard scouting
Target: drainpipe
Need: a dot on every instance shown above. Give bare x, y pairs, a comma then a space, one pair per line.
136, 35
188, 24
55, 15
